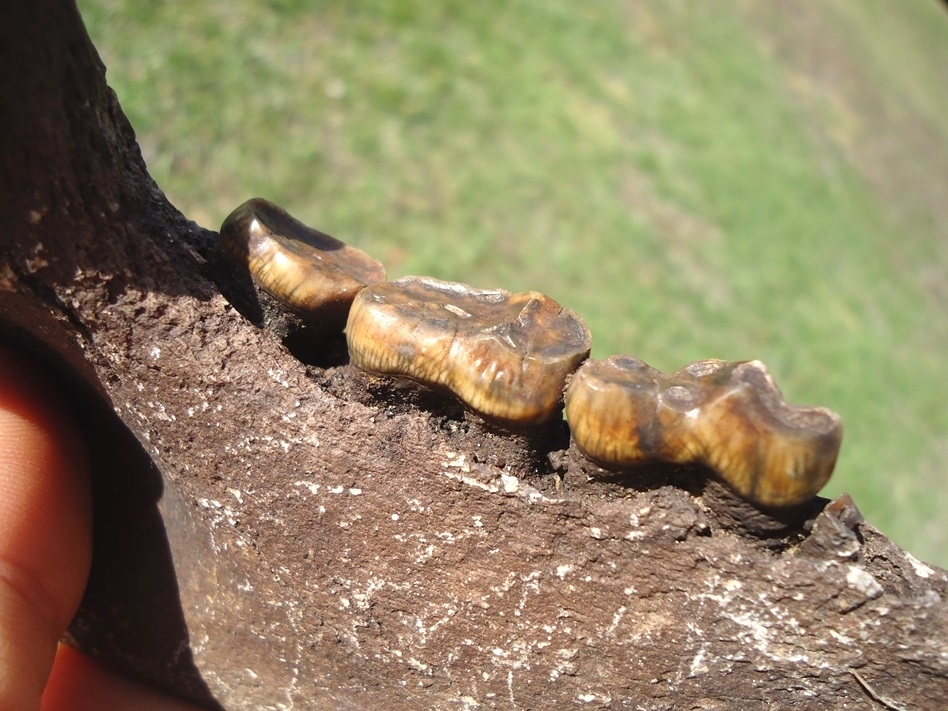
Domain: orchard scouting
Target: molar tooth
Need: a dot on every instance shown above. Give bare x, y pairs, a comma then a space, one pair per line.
768, 451
505, 355
311, 273
728, 416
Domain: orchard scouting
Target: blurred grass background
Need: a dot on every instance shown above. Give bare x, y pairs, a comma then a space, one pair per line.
718, 179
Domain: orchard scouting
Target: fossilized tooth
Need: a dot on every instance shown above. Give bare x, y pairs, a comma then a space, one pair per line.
311, 273
730, 417
617, 413
773, 453
507, 356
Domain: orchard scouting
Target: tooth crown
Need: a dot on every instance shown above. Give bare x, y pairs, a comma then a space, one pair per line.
728, 416
505, 355
310, 272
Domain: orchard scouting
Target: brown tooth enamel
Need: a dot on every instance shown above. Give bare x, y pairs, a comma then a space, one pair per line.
507, 356
313, 274
730, 417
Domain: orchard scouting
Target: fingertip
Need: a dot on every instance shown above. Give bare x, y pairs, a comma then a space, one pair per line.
79, 683
45, 526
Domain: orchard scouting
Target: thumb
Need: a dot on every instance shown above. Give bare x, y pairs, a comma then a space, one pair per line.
45, 527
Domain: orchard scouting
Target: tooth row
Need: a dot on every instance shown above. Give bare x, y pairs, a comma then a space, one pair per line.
509, 356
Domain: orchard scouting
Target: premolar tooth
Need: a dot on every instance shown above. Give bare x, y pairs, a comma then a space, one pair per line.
311, 273
505, 355
728, 416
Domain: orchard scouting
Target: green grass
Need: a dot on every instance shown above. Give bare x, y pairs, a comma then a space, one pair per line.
697, 180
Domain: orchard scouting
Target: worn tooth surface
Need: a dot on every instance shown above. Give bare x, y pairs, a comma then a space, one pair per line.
728, 416
505, 355
313, 274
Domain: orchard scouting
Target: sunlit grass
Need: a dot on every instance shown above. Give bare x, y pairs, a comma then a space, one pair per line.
667, 170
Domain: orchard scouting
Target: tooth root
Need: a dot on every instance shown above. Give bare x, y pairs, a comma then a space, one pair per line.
728, 416
507, 356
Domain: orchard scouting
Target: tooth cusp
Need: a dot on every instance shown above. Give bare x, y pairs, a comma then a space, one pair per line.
730, 417
507, 356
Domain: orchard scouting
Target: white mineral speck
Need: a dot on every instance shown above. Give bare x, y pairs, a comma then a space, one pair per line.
511, 483
921, 570
862, 581
394, 517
